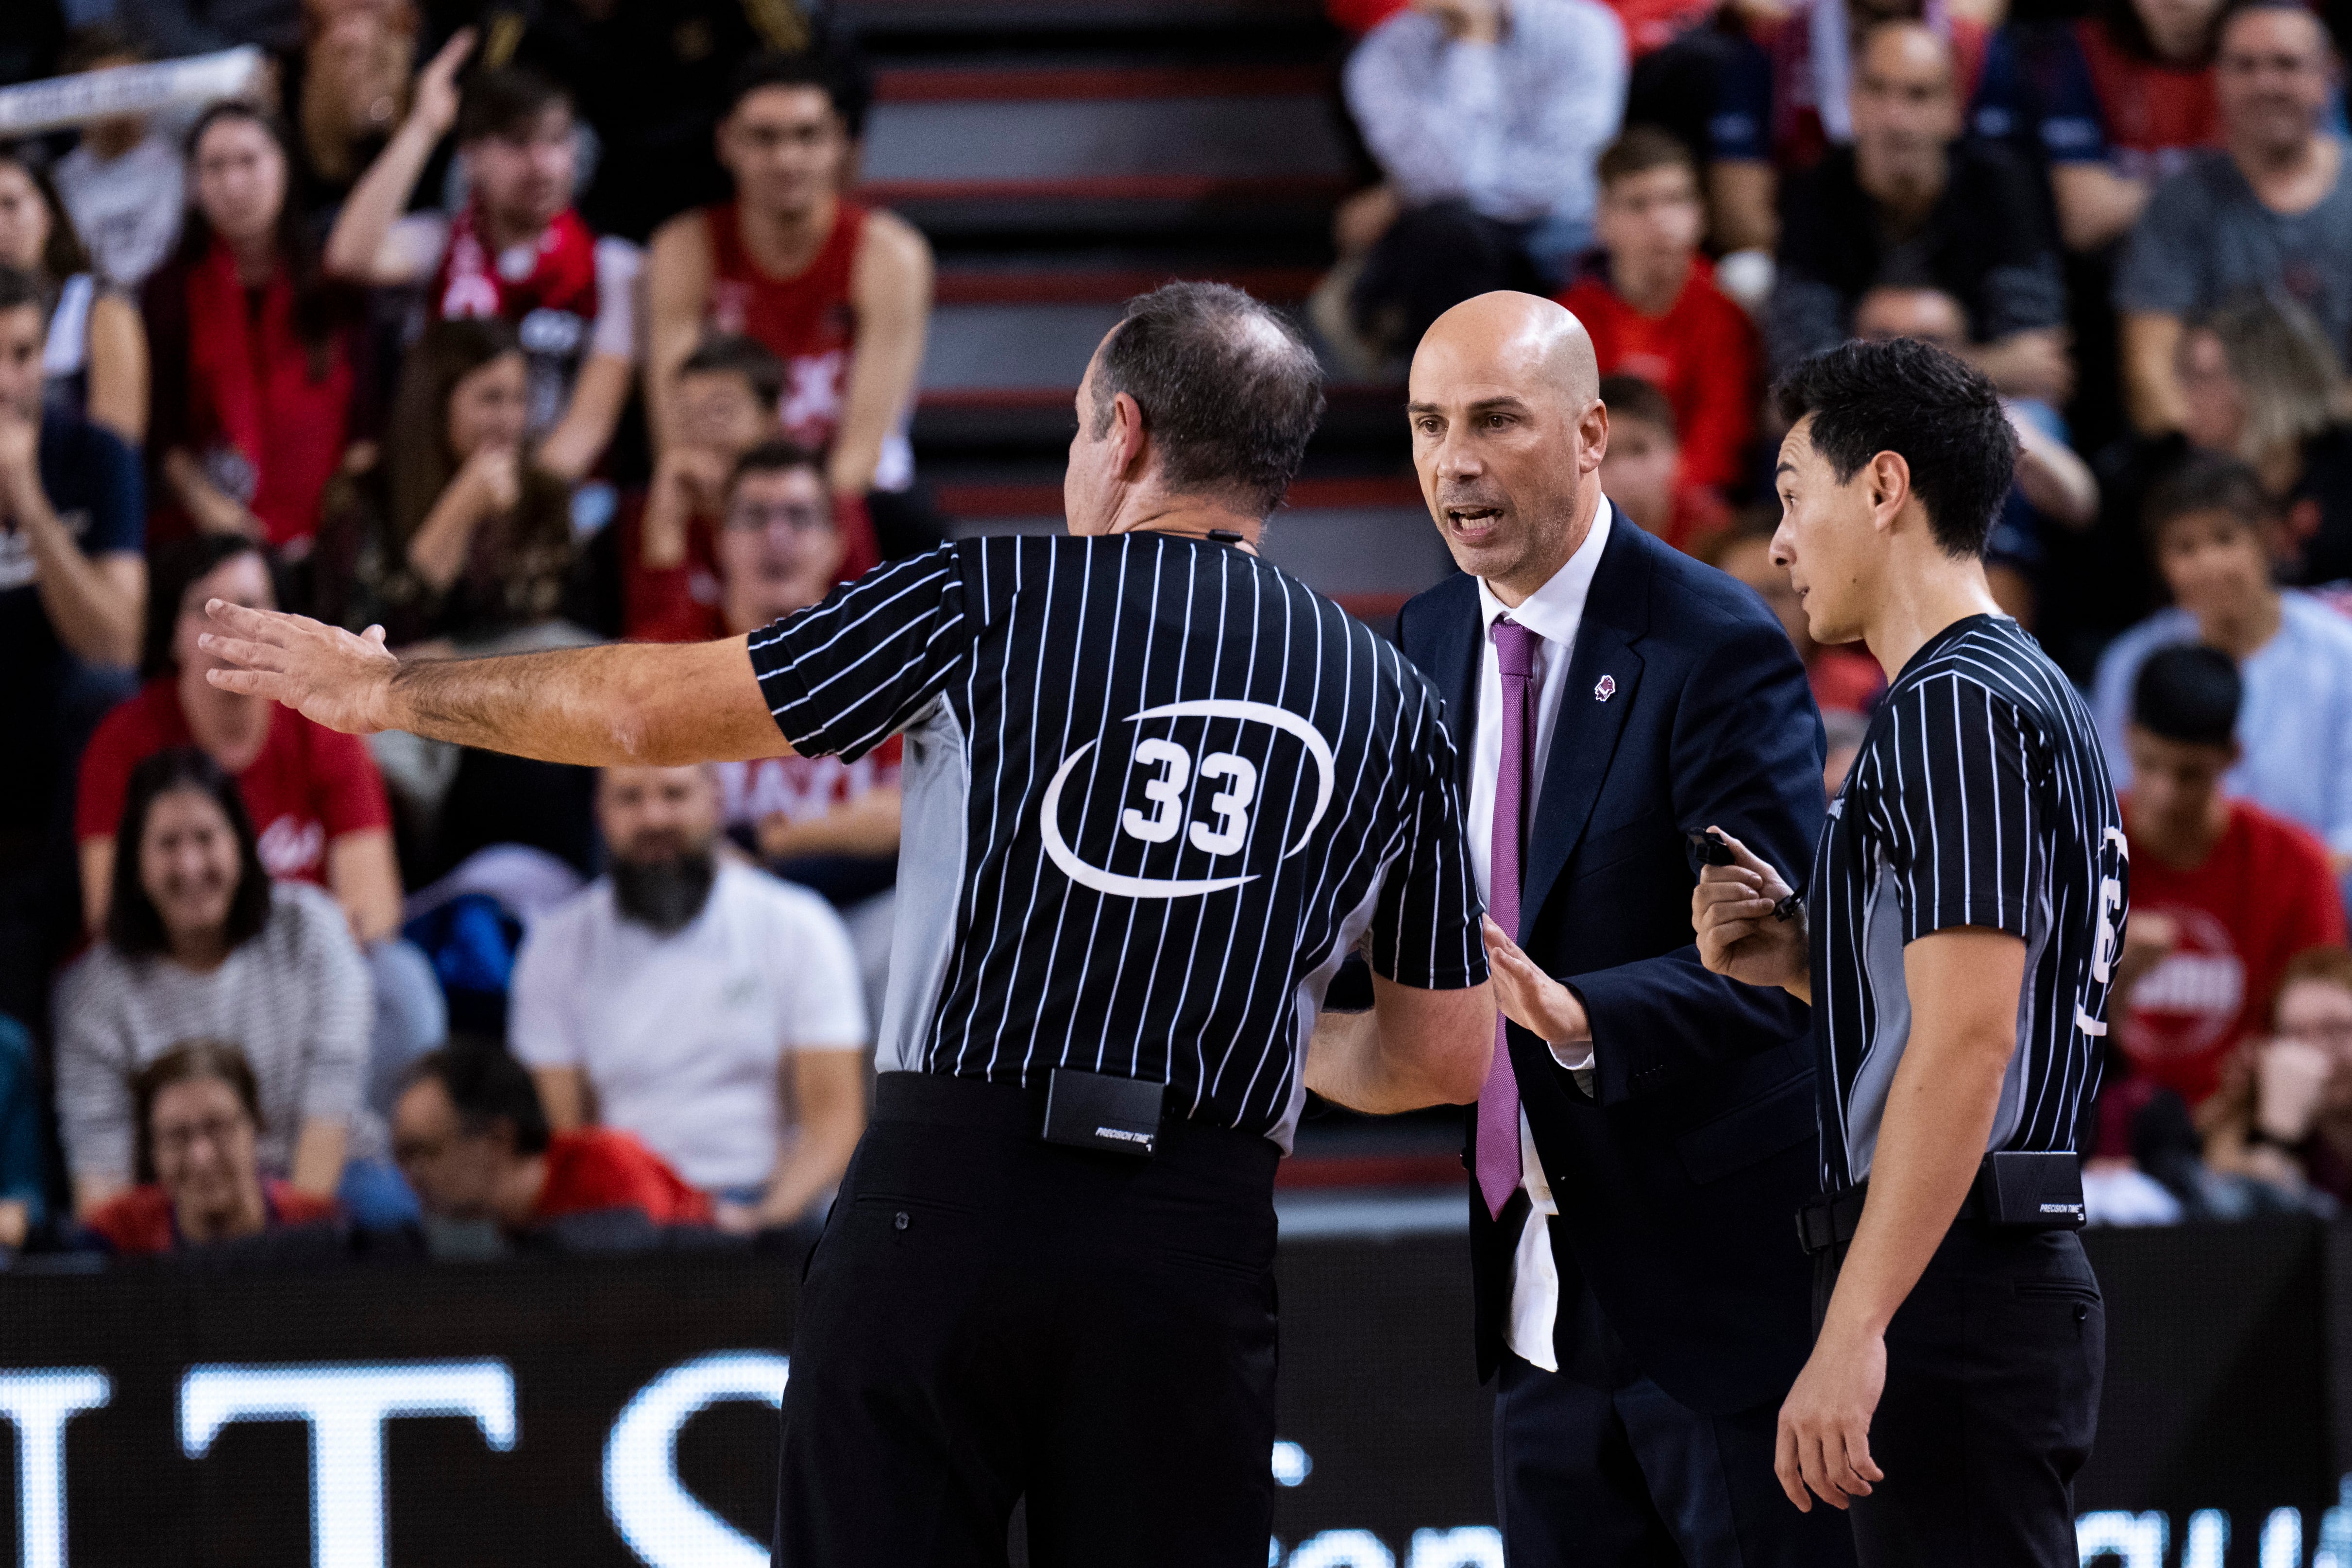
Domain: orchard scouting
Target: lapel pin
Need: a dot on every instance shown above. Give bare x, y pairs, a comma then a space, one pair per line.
1604, 688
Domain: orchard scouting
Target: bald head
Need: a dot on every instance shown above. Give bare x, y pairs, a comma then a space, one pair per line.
1507, 436
1531, 342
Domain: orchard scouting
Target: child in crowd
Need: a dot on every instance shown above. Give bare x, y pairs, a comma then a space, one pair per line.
1650, 303
1645, 471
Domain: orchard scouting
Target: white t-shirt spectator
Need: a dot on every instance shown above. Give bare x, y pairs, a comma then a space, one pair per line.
683, 1038
1513, 127
126, 212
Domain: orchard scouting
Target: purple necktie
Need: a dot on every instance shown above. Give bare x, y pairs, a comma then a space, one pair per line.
1498, 1102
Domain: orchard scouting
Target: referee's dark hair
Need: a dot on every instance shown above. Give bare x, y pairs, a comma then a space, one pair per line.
2188, 694
2205, 482
1230, 392
1925, 404
488, 1086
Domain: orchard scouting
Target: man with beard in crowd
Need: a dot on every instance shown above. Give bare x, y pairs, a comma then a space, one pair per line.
701, 1005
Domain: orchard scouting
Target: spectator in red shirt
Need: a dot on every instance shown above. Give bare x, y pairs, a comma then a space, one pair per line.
516, 248
1654, 312
315, 797
254, 348
1844, 679
1644, 470
472, 1138
840, 292
2223, 893
198, 1110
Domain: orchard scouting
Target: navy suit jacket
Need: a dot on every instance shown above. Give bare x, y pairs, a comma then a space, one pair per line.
1678, 1178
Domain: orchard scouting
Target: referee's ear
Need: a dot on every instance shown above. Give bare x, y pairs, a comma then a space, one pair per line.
1134, 442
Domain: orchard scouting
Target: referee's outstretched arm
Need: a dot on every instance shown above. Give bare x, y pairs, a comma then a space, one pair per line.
630, 703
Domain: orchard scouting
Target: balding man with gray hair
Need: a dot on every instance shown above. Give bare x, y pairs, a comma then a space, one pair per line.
1645, 1129
1156, 792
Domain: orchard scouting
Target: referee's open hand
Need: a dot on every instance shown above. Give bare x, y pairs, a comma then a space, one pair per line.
322, 672
1731, 910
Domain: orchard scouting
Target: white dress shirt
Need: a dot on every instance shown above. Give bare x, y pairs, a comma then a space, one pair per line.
1552, 612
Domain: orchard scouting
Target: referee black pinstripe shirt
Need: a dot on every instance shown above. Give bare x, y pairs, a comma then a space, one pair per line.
1155, 791
1979, 797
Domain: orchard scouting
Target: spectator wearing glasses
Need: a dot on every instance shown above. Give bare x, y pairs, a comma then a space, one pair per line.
2285, 1114
2208, 528
518, 250
705, 1008
827, 825
2223, 893
197, 1109
2268, 210
201, 944
473, 1139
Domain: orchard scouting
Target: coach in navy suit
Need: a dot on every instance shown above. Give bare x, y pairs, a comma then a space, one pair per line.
1640, 1151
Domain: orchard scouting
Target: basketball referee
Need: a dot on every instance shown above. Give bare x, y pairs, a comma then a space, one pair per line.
1965, 904
1156, 792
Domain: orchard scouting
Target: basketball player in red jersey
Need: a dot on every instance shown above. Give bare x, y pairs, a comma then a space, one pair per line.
840, 293
516, 248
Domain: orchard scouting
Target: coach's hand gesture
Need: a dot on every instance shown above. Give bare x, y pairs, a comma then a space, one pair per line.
323, 672
1529, 997
1738, 936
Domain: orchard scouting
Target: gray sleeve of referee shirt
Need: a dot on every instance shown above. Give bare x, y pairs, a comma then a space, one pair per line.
844, 674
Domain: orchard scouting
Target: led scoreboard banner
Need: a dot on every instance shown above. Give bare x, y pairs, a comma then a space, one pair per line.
623, 1410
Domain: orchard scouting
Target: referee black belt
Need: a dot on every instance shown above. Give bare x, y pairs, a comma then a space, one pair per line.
1183, 1144
2014, 1190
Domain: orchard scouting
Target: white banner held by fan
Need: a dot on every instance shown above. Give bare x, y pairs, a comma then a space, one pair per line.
60, 101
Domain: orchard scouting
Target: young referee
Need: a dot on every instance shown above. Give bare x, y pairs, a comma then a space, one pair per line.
1955, 939
1156, 792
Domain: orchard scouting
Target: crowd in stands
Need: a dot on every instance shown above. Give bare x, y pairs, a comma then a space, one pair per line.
359, 342
2132, 217
510, 329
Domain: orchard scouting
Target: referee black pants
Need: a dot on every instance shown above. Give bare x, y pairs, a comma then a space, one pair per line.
991, 1317
1993, 1368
